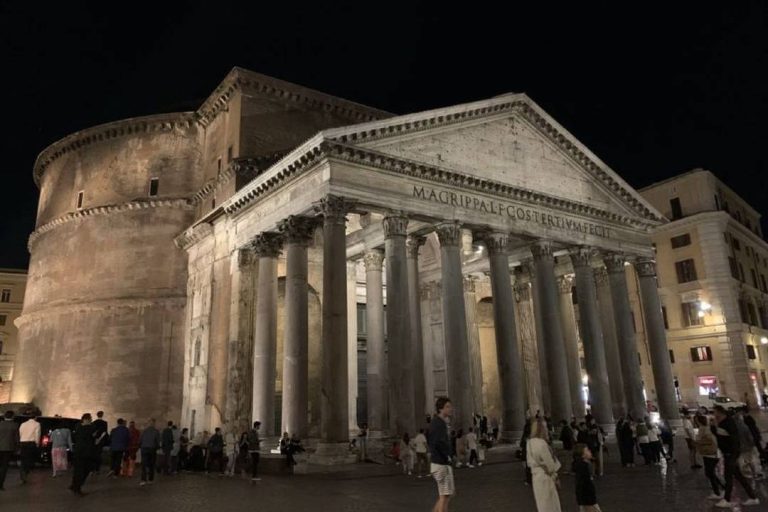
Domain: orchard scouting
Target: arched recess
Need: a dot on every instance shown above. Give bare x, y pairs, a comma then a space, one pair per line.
487, 333
315, 335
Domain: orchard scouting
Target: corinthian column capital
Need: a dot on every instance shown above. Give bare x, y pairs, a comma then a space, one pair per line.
645, 267
449, 233
412, 245
601, 276
267, 244
497, 243
542, 250
334, 209
395, 224
581, 256
614, 262
373, 260
565, 284
298, 230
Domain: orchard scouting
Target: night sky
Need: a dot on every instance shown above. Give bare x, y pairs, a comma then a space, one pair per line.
653, 92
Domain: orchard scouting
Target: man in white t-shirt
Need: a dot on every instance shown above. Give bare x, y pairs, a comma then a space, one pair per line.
471, 440
690, 436
422, 459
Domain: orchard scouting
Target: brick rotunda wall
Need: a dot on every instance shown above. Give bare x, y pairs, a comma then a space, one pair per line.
102, 325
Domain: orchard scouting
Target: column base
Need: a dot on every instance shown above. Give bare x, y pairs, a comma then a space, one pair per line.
510, 436
332, 454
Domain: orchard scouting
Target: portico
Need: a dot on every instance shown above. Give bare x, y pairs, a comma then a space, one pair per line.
495, 190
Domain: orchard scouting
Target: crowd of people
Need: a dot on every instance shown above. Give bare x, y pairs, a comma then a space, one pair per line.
164, 452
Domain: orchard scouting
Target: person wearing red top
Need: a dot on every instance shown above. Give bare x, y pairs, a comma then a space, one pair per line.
129, 459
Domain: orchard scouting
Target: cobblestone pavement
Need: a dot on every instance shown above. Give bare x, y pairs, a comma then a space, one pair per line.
497, 486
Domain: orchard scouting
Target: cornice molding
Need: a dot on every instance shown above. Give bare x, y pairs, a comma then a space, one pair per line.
193, 235
248, 81
248, 167
136, 204
108, 131
318, 149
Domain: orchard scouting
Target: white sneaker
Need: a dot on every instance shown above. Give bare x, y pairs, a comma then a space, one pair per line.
142, 483
470, 465
751, 501
723, 504
714, 496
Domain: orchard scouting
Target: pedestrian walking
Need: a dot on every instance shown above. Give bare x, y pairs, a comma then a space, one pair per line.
362, 441
29, 435
230, 452
690, 439
706, 445
134, 443
254, 445
85, 439
119, 439
471, 441
166, 444
566, 436
625, 438
183, 449
727, 433
643, 440
586, 495
216, 451
149, 443
407, 454
422, 458
544, 467
9, 444
61, 444
101, 428
175, 450
749, 458
655, 442
667, 438
440, 451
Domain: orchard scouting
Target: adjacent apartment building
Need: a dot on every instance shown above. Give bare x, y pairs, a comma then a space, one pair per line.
12, 285
712, 272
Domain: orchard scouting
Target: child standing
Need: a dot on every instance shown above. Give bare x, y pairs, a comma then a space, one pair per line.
586, 495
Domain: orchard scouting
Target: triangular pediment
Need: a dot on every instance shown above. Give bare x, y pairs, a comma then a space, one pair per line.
507, 140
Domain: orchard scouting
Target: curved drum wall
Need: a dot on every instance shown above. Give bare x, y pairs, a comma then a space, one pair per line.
102, 326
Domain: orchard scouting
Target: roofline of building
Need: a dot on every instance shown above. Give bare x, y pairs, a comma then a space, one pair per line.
16, 271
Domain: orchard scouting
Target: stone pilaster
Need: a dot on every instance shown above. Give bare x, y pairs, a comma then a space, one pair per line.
625, 332
541, 348
571, 338
557, 368
375, 357
657, 341
399, 337
420, 403
526, 328
297, 232
455, 324
612, 359
509, 362
473, 342
592, 337
267, 248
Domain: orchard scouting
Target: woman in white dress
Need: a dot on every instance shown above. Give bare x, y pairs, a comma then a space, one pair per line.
544, 467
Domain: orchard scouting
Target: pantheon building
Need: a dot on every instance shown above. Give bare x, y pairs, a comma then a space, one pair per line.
284, 255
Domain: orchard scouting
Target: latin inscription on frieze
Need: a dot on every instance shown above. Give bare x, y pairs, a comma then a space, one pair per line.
522, 214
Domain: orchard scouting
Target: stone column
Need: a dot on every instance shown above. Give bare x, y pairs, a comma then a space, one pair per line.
612, 358
527, 333
592, 337
352, 378
473, 342
420, 402
625, 332
455, 324
374, 316
557, 367
571, 337
399, 340
267, 248
511, 381
334, 429
240, 357
297, 232
657, 341
541, 349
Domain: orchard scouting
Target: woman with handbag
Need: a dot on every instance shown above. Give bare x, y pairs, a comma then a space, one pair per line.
544, 467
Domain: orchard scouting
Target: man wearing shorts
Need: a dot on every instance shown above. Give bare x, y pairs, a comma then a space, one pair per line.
440, 450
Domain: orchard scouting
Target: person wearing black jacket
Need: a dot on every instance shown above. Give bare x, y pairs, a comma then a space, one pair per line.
441, 452
100, 428
586, 495
85, 453
727, 434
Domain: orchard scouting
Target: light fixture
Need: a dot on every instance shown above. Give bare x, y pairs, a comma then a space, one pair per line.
701, 313
764, 340
704, 305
